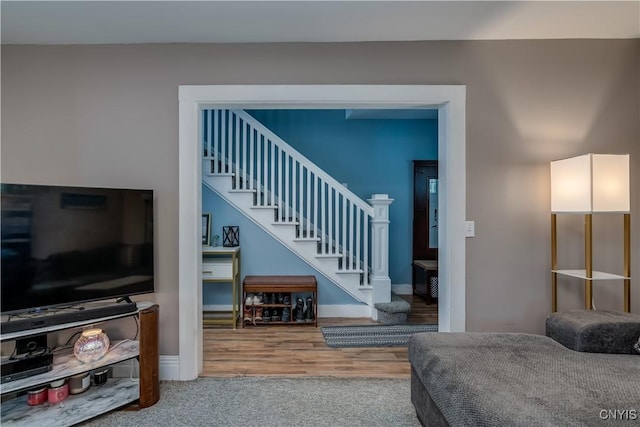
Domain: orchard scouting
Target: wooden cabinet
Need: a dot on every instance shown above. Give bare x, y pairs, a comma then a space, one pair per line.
220, 266
280, 294
115, 393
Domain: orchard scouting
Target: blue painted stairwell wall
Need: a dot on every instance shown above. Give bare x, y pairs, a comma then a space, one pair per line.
370, 156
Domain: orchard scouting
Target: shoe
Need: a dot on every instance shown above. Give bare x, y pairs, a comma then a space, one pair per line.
275, 315
247, 315
258, 315
308, 312
286, 314
266, 315
286, 300
257, 299
280, 299
249, 300
299, 310
266, 299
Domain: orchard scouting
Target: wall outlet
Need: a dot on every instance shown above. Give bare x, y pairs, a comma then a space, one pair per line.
470, 229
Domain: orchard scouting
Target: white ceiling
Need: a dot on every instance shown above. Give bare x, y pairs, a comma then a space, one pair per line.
100, 22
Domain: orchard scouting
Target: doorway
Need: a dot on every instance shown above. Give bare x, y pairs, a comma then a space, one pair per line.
450, 100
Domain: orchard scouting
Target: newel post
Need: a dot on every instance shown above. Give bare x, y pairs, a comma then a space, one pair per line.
380, 280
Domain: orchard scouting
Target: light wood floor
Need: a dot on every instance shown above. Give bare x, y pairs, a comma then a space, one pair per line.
300, 351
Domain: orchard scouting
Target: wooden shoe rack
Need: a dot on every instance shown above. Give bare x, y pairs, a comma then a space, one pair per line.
293, 286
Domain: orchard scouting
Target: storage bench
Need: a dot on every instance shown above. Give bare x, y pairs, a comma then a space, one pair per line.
305, 287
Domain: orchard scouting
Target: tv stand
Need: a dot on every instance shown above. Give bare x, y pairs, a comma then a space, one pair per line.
116, 393
53, 317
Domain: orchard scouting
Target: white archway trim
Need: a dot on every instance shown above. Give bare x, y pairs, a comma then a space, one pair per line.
450, 101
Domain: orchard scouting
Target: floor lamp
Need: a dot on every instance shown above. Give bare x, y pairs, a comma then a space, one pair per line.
593, 183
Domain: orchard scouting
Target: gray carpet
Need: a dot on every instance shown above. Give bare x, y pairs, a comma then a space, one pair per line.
373, 335
266, 402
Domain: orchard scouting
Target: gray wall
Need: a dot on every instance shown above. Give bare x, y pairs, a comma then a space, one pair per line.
108, 116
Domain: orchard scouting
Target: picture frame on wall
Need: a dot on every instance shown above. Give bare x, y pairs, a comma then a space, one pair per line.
206, 229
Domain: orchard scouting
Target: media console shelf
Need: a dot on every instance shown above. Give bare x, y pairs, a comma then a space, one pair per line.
116, 393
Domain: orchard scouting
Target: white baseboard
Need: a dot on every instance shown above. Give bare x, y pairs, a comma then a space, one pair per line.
169, 368
344, 310
216, 307
402, 289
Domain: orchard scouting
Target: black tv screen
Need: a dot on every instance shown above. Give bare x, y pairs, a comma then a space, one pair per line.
66, 245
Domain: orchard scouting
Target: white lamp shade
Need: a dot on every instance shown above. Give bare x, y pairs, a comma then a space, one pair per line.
591, 183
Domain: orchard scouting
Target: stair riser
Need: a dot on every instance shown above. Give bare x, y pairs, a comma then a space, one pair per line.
262, 215
285, 232
307, 248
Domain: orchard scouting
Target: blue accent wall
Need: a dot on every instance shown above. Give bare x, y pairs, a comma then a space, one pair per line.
370, 156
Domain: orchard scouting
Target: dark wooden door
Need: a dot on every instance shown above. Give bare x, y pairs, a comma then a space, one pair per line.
425, 228
425, 209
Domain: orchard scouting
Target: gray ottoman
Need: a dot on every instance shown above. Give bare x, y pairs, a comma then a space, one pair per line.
595, 331
395, 312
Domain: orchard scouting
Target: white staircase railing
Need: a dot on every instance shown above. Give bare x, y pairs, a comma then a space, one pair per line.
279, 176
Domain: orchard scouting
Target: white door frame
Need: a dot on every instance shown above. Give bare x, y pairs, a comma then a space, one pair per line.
450, 102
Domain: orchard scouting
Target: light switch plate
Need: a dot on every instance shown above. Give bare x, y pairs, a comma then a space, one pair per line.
470, 229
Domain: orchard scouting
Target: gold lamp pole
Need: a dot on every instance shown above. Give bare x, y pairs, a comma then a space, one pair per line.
554, 264
627, 263
588, 261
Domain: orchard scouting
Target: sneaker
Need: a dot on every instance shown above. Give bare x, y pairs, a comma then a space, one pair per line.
280, 299
286, 300
257, 299
249, 300
286, 314
248, 314
275, 315
266, 315
267, 299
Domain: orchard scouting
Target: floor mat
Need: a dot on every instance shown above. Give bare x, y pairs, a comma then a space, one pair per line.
373, 335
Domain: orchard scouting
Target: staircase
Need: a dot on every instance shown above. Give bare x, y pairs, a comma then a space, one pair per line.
333, 230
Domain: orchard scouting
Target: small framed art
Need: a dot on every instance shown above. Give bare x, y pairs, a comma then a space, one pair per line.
206, 229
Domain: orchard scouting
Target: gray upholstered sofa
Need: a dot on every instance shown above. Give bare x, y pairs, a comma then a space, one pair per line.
516, 379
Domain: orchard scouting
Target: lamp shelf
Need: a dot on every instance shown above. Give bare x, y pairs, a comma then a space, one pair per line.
596, 275
96, 400
66, 365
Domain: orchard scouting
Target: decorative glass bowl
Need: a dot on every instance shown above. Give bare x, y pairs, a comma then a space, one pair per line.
91, 346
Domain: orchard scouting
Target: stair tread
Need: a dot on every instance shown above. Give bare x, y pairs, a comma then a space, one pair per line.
349, 271
306, 239
284, 223
242, 190
264, 207
220, 174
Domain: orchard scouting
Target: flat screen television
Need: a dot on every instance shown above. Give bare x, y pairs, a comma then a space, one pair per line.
68, 245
